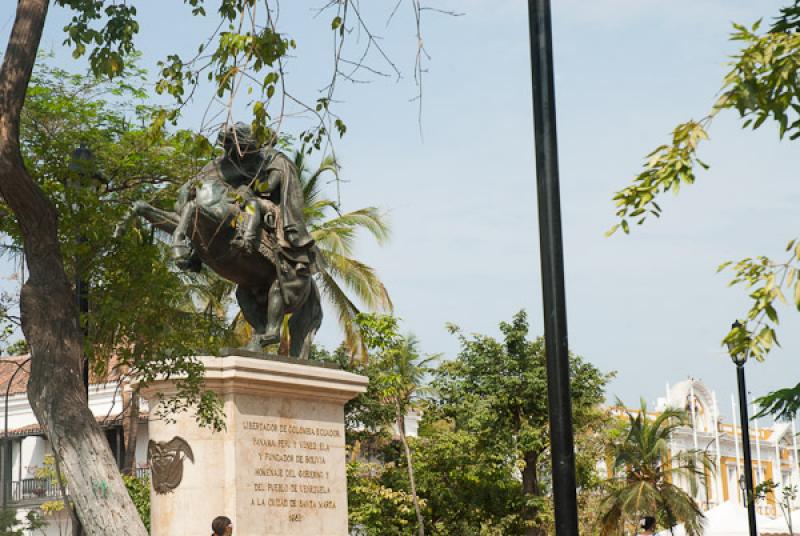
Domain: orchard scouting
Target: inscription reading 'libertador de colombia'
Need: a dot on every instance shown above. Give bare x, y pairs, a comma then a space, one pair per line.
293, 470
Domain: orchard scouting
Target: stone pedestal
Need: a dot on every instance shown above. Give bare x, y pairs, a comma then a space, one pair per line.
279, 467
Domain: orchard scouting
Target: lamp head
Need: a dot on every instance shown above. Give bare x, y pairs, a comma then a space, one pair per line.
82, 160
739, 358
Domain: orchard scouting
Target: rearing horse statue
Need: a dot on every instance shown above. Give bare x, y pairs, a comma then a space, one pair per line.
242, 217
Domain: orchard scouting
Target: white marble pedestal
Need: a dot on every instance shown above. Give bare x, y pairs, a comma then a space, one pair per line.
279, 467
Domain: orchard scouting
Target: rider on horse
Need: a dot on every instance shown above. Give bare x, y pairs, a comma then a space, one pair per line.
264, 183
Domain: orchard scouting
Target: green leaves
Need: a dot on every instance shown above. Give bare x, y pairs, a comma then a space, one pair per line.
110, 42
493, 390
765, 281
142, 320
667, 168
763, 82
763, 86
789, 19
139, 490
782, 404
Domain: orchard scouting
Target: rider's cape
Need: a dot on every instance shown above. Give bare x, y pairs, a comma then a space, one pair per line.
291, 198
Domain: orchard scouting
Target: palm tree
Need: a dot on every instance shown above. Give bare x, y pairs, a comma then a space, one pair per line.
399, 373
343, 280
645, 475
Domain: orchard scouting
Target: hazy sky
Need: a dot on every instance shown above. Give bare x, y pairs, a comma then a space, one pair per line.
462, 202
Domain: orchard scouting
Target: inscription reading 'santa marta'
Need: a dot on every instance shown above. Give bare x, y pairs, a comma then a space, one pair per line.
293, 469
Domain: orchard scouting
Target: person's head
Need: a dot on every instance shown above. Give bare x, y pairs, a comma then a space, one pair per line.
648, 524
222, 526
237, 140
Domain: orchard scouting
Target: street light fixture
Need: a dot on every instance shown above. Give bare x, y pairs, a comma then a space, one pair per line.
743, 487
739, 357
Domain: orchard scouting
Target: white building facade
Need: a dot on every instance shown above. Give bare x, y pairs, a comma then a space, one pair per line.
20, 488
774, 447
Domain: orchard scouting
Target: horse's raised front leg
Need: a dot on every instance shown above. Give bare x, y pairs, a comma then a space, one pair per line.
182, 251
161, 219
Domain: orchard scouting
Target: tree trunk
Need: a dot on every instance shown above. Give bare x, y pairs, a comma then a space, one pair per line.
75, 526
530, 488
130, 429
48, 311
401, 427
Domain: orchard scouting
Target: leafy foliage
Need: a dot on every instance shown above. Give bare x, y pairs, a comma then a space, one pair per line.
10, 525
6, 322
49, 509
668, 166
342, 275
768, 490
482, 417
142, 321
139, 490
645, 474
396, 375
781, 404
468, 489
493, 390
375, 509
762, 85
246, 54
789, 19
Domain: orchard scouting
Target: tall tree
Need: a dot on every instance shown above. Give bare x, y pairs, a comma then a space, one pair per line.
396, 372
494, 389
49, 318
645, 474
762, 87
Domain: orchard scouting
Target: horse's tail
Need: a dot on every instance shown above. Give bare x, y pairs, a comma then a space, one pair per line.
304, 323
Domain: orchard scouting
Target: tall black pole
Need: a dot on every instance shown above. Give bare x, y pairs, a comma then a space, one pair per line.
82, 298
552, 260
82, 165
748, 460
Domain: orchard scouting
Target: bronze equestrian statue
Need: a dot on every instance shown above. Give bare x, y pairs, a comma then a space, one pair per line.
242, 216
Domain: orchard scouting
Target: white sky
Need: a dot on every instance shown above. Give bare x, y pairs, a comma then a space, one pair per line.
462, 202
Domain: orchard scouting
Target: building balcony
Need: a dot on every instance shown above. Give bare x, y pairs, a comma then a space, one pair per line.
39, 490
34, 490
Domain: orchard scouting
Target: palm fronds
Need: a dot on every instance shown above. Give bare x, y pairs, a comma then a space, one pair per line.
645, 474
341, 275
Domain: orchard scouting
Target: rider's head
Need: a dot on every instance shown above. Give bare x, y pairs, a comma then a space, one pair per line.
237, 140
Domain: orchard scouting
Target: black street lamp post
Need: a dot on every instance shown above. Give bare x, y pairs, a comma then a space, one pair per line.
739, 359
559, 401
82, 164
